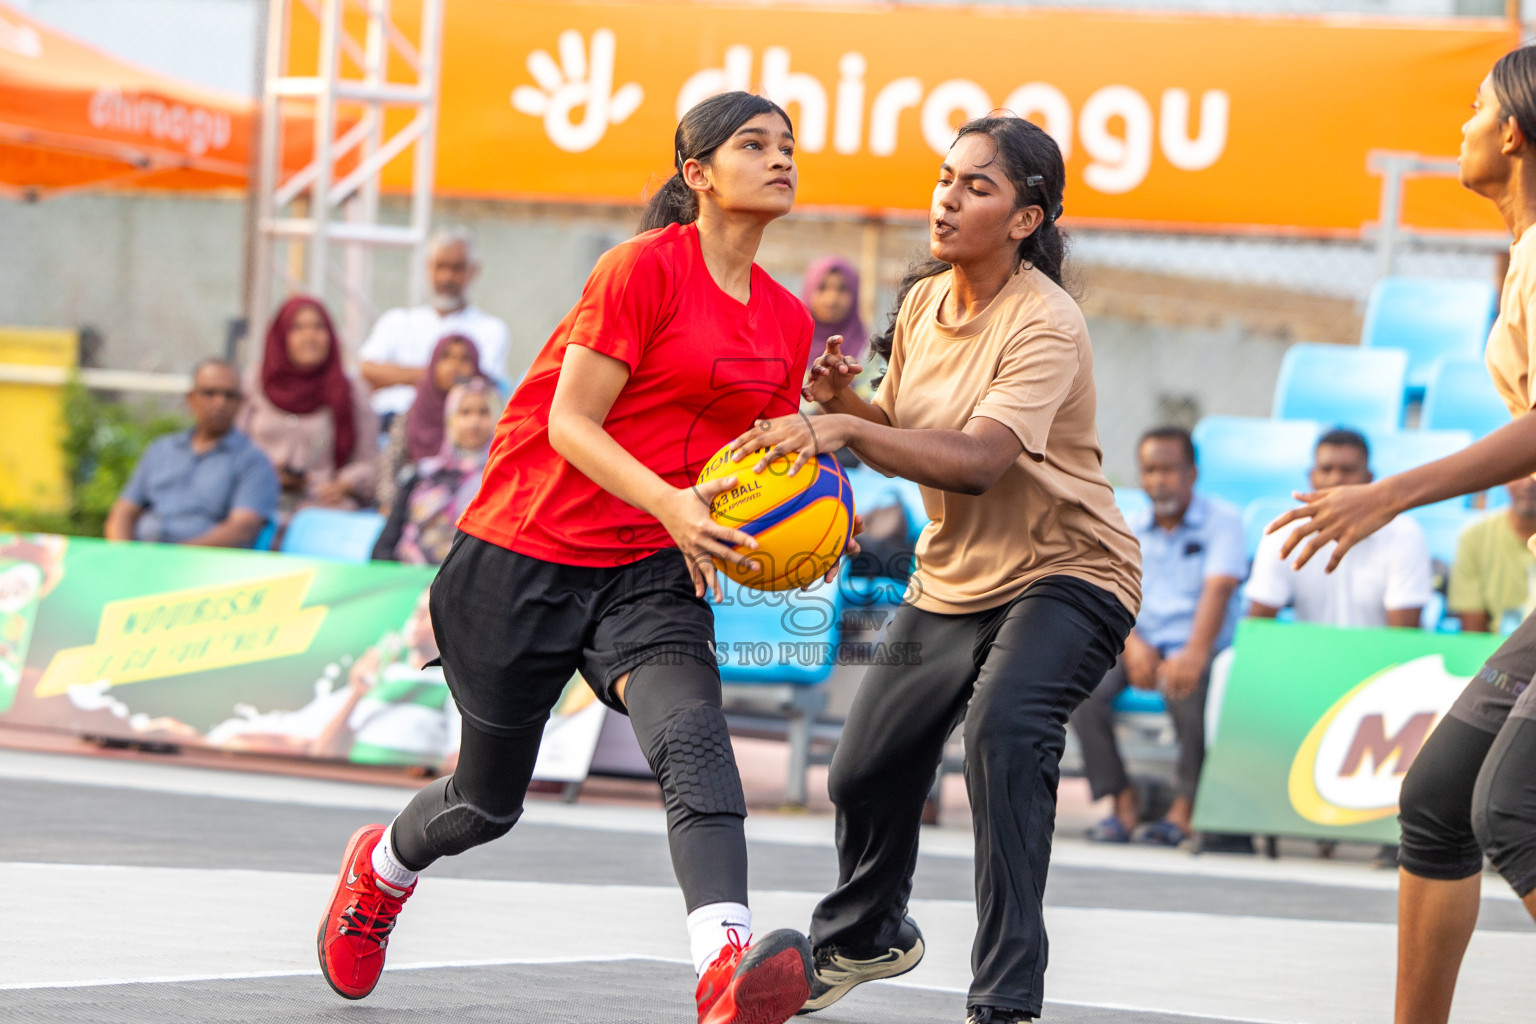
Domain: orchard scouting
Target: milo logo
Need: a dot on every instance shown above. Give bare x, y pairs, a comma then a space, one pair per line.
19, 585
1350, 768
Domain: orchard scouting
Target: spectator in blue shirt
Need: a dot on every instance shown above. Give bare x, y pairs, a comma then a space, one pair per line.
209, 485
1192, 560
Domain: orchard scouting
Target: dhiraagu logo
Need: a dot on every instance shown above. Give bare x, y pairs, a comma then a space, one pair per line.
1350, 768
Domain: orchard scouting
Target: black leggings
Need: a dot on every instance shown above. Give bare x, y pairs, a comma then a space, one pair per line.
1014, 674
1472, 789
673, 704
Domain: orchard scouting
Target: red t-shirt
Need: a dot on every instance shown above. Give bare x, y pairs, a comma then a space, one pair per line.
702, 368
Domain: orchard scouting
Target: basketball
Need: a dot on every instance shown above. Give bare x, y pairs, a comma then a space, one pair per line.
801, 522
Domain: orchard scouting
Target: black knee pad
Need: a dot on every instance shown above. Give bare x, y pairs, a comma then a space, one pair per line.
1435, 806
701, 768
463, 826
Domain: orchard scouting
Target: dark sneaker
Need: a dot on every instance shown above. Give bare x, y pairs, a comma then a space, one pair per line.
762, 983
355, 929
837, 971
995, 1015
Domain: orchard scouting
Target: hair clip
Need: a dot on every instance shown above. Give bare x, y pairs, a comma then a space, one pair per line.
1034, 179
679, 154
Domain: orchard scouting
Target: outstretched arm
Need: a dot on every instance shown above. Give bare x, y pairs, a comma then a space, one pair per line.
1348, 515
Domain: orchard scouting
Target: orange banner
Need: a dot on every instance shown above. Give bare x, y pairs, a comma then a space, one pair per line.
1206, 122
73, 116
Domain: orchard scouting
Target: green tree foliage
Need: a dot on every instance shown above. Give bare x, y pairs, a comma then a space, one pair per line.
102, 443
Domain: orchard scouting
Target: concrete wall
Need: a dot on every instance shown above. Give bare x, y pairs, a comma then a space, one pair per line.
158, 277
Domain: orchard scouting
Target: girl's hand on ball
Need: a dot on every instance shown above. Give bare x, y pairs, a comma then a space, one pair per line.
801, 436
701, 540
831, 373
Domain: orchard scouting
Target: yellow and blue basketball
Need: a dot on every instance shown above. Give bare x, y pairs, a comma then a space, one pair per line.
801, 523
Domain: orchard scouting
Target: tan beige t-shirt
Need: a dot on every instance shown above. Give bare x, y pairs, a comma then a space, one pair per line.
1025, 362
1509, 354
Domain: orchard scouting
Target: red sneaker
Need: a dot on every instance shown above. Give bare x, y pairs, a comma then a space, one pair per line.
357, 923
760, 983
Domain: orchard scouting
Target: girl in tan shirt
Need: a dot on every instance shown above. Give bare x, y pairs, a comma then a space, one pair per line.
1472, 789
1027, 578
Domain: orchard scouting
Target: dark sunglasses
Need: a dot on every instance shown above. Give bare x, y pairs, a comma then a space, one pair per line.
232, 395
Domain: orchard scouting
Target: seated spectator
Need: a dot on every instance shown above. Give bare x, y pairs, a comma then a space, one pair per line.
1192, 560
311, 419
831, 293
402, 340
208, 485
419, 433
435, 491
1490, 578
1385, 580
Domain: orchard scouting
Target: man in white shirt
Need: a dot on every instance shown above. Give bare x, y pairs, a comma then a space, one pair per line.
1383, 581
402, 340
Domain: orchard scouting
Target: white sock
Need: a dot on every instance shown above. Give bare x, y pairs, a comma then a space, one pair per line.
387, 867
709, 930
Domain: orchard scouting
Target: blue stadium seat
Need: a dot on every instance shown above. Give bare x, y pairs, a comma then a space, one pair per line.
1259, 513
1342, 385
1132, 701
263, 541
1133, 502
1248, 457
333, 534
1429, 318
1442, 528
1460, 396
1396, 451
811, 623
776, 652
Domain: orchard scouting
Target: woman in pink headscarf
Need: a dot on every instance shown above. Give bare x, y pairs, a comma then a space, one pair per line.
418, 433
308, 415
435, 490
831, 293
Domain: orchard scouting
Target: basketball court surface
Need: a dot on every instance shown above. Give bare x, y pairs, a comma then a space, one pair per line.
143, 892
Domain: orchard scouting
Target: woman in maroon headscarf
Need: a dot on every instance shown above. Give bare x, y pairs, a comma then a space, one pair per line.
831, 293
418, 434
308, 416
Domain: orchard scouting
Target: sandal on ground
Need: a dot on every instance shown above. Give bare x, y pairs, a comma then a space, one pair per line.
1162, 833
1110, 830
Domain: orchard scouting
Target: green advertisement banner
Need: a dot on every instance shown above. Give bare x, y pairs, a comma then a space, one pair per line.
235, 650
1319, 725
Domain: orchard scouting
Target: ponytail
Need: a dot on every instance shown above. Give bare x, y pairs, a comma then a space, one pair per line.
673, 203
707, 126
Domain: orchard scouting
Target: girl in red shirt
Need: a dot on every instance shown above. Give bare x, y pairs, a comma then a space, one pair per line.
589, 548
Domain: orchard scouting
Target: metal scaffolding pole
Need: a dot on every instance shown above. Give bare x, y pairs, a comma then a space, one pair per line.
332, 204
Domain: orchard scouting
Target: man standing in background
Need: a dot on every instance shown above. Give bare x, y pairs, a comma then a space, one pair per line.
402, 340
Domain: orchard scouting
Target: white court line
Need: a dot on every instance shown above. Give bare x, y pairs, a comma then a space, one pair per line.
799, 831
155, 923
183, 979
314, 972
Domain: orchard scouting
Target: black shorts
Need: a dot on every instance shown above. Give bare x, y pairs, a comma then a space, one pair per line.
512, 629
1502, 687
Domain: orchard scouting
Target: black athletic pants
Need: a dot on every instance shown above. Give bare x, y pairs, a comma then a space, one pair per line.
1013, 674
512, 630
1094, 723
1472, 788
